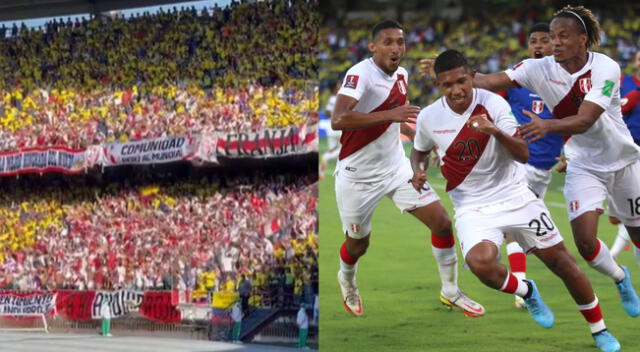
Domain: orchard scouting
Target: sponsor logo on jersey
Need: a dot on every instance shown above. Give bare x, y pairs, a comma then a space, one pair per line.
585, 85
351, 169
574, 205
537, 106
402, 88
351, 81
608, 88
444, 131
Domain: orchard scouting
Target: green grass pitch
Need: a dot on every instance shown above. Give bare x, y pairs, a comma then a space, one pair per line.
399, 284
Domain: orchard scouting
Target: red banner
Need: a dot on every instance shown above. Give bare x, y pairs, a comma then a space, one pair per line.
75, 305
157, 306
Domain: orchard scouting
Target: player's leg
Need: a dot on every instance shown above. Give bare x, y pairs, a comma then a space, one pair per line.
356, 203
427, 208
517, 264
481, 234
584, 193
624, 203
562, 263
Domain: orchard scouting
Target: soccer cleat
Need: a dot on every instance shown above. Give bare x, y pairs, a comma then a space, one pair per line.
520, 302
537, 308
629, 297
606, 342
468, 306
350, 296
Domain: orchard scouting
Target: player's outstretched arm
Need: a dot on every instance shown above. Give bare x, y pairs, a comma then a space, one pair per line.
345, 118
588, 114
419, 164
516, 146
494, 82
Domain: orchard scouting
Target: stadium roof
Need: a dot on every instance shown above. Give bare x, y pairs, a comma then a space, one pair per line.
24, 9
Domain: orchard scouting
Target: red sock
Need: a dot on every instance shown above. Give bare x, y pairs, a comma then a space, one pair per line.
518, 262
593, 316
344, 255
442, 242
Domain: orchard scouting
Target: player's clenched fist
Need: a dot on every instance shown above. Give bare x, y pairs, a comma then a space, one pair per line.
426, 68
404, 113
480, 123
418, 180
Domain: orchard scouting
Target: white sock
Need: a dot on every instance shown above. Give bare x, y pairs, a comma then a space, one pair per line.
447, 260
622, 239
348, 271
604, 263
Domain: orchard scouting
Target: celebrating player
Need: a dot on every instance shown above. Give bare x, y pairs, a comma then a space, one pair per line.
478, 142
372, 110
582, 90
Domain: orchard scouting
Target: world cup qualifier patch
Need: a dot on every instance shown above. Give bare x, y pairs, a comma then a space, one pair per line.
351, 81
608, 88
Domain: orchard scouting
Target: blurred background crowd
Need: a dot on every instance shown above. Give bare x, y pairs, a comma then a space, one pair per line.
493, 36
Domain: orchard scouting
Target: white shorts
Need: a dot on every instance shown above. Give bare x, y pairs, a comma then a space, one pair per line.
525, 217
537, 179
357, 200
586, 190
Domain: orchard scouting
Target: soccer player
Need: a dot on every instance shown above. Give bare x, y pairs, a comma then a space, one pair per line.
333, 136
582, 90
372, 110
478, 141
542, 153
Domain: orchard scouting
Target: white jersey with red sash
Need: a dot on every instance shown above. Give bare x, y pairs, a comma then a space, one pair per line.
479, 171
372, 154
607, 145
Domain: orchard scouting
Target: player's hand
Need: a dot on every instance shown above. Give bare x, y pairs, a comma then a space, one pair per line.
534, 130
418, 180
563, 163
481, 123
404, 113
426, 68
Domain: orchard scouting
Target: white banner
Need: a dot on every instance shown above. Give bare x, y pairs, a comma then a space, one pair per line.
113, 304
26, 304
149, 151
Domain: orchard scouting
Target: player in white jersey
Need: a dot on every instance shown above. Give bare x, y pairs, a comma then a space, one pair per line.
333, 136
582, 90
371, 110
477, 137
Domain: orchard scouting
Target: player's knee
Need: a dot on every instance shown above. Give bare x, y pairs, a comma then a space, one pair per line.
480, 263
442, 228
358, 248
585, 248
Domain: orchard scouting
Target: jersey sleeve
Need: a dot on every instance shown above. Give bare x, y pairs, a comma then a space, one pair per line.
354, 83
522, 73
605, 83
505, 120
422, 140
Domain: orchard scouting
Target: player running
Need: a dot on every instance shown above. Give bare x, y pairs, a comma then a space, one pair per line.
372, 110
582, 90
543, 153
478, 142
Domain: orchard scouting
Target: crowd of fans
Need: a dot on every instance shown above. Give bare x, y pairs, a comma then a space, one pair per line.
79, 119
265, 42
196, 236
492, 37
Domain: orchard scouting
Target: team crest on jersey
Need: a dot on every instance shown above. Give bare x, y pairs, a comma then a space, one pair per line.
355, 228
402, 87
585, 84
574, 205
351, 81
537, 106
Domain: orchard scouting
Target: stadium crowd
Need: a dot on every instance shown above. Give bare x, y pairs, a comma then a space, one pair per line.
239, 68
75, 119
196, 236
492, 37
